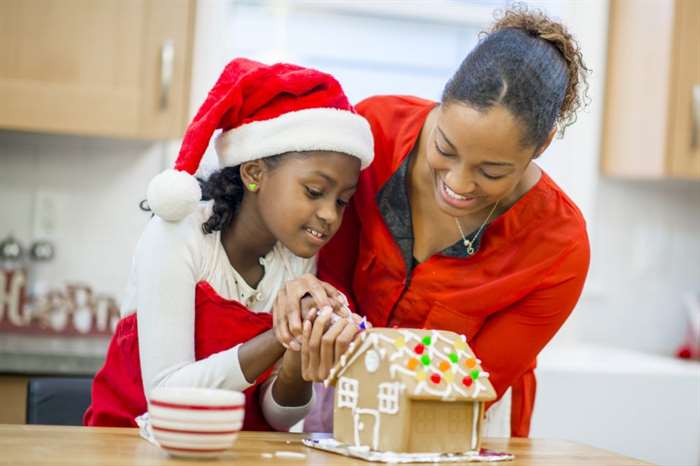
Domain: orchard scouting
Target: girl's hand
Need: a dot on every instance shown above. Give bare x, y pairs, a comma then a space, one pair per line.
323, 342
286, 311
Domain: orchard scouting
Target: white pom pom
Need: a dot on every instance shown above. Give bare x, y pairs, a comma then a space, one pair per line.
173, 195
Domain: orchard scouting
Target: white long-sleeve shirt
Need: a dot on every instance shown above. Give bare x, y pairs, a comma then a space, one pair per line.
170, 259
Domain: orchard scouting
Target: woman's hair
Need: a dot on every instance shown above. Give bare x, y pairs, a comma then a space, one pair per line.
531, 65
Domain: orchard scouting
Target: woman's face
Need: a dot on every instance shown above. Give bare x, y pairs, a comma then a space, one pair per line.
476, 158
302, 198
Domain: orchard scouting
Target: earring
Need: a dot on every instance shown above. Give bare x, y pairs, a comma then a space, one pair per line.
253, 186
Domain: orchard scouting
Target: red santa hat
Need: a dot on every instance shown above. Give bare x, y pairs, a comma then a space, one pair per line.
262, 110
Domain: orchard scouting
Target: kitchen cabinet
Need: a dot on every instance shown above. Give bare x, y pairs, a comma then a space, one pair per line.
652, 103
118, 68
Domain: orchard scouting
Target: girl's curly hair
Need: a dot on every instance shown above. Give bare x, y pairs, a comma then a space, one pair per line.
529, 63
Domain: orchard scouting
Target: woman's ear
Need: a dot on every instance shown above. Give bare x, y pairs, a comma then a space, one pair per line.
252, 174
547, 142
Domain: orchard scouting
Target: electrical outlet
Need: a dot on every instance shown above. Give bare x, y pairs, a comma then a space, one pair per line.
46, 215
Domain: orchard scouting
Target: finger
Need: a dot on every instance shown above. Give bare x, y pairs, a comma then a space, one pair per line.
293, 308
316, 289
328, 348
279, 318
315, 342
344, 339
305, 352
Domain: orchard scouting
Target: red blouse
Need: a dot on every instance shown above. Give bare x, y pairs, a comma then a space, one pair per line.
509, 298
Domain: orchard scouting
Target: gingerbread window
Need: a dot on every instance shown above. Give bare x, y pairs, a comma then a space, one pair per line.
347, 392
388, 397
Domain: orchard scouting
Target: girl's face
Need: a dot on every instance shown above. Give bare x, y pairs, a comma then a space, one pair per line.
301, 199
476, 158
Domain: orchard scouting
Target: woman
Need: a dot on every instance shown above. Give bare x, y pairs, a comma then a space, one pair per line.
454, 226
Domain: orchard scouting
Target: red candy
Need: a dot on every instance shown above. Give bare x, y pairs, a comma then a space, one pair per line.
419, 348
435, 378
467, 381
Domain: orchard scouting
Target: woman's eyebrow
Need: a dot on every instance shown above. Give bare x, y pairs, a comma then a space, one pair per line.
445, 138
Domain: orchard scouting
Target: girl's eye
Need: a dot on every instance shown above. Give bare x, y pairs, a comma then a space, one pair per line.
342, 204
313, 193
490, 177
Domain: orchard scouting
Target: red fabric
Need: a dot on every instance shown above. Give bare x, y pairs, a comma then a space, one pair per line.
250, 91
509, 299
220, 324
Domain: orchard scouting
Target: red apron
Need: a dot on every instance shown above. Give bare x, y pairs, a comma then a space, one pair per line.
220, 324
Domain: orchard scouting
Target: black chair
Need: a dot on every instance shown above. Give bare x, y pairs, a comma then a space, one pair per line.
58, 400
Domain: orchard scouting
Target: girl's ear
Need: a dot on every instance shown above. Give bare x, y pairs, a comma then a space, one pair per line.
547, 142
252, 174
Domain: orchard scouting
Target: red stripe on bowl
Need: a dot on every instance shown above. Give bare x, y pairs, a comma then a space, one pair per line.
165, 404
205, 432
194, 450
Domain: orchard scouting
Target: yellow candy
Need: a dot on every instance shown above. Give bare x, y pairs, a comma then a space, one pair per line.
420, 375
399, 342
460, 345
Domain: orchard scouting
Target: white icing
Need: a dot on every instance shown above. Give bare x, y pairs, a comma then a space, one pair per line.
371, 361
388, 397
347, 392
356, 413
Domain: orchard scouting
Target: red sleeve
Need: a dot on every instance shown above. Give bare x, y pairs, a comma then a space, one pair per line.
509, 341
336, 260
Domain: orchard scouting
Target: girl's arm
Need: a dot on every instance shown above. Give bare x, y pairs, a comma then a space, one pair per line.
168, 259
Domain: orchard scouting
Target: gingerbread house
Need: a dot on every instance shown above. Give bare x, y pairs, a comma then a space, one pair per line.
410, 391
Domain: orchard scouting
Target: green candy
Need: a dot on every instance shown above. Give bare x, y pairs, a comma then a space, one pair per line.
454, 358
425, 360
474, 374
427, 341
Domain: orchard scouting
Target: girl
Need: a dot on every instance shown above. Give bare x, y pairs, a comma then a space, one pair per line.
455, 226
205, 274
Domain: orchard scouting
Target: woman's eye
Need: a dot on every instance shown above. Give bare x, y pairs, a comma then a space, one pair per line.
342, 204
490, 176
442, 152
313, 193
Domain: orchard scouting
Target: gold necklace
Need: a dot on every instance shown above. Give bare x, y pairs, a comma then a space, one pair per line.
470, 243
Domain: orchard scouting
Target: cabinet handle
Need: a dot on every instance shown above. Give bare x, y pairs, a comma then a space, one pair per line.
167, 61
695, 130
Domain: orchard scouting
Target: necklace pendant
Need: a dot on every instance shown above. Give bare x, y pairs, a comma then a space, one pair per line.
470, 250
467, 243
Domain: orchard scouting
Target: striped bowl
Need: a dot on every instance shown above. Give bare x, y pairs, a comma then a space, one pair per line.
195, 422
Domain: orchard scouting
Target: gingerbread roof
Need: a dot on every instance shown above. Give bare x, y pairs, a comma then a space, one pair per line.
431, 364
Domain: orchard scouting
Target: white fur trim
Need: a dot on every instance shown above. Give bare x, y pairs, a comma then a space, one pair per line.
173, 195
327, 129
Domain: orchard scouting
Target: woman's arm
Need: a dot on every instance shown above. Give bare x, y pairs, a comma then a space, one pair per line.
510, 340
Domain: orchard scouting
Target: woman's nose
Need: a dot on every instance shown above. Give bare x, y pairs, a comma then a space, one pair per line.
461, 181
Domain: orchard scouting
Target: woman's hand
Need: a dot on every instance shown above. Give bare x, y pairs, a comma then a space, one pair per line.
287, 310
323, 342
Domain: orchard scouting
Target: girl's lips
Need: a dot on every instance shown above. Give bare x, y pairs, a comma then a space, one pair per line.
453, 201
314, 236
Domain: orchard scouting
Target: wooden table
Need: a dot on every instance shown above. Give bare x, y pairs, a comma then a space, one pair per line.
76, 446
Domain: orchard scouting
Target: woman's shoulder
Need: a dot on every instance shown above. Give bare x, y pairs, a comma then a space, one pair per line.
547, 215
391, 107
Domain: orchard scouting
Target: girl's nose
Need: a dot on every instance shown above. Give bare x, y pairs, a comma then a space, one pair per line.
328, 213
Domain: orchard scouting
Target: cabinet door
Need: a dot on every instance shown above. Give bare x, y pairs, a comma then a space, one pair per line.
684, 128
94, 67
637, 88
